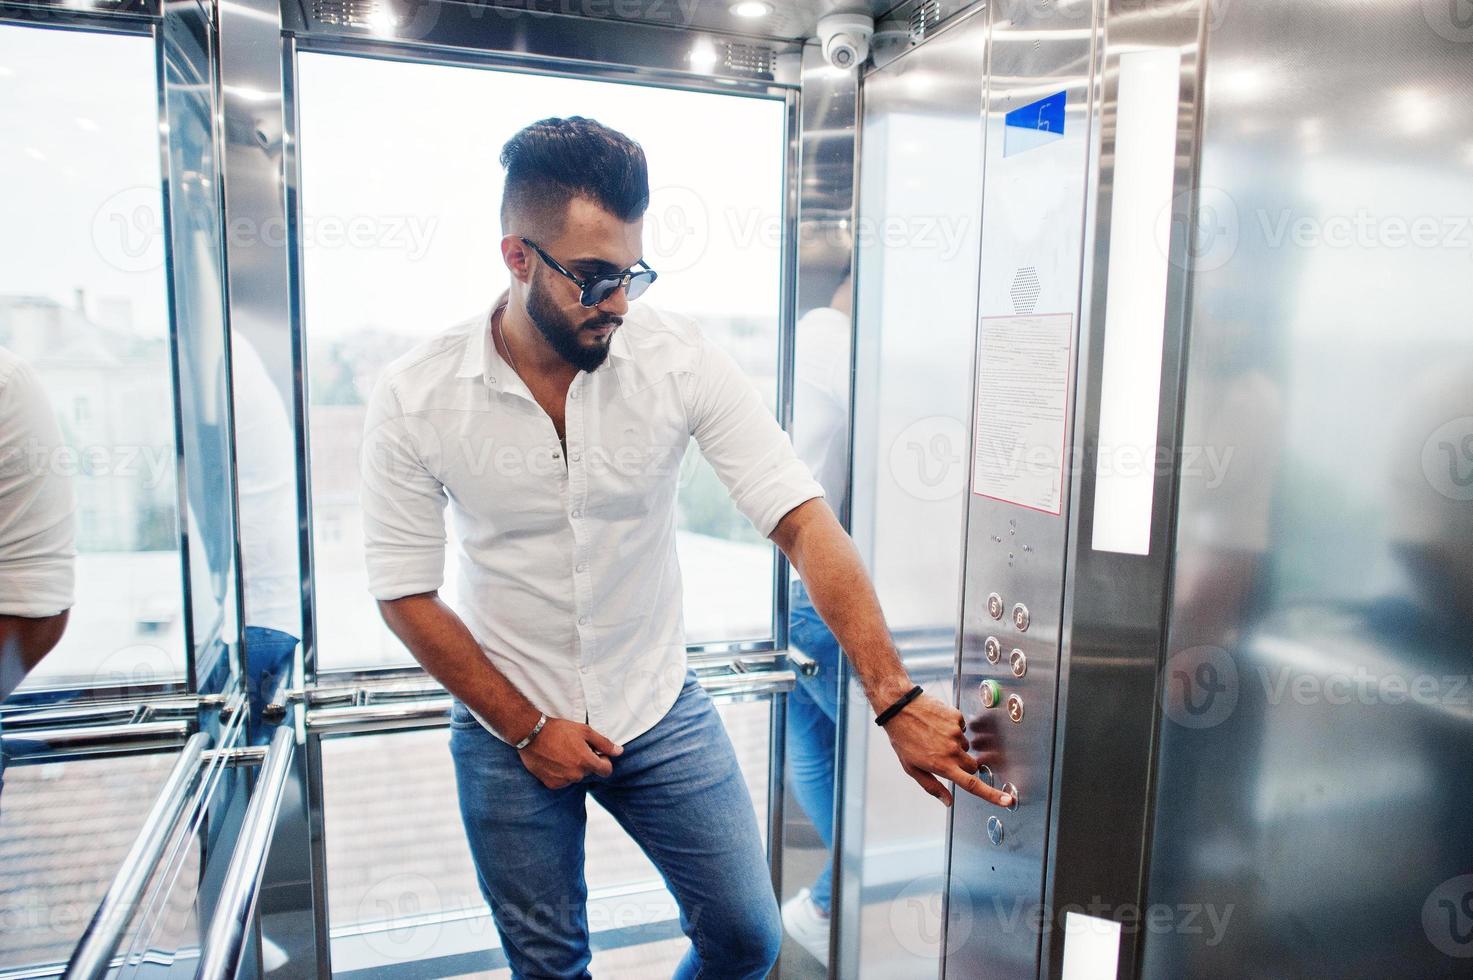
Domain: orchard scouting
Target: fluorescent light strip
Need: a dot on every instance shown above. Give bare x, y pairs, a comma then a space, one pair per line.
1135, 299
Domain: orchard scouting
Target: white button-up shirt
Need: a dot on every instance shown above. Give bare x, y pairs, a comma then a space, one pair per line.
568, 577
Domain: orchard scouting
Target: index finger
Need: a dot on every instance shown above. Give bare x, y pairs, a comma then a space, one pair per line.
974, 784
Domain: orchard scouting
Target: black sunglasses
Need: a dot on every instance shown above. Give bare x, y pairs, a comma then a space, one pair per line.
596, 289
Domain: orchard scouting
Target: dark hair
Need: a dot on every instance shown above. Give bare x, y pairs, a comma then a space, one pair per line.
555, 160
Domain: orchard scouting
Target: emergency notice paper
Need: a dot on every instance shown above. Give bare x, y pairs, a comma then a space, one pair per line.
1022, 409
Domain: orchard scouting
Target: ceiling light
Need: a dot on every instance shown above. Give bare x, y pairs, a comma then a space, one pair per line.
751, 9
703, 55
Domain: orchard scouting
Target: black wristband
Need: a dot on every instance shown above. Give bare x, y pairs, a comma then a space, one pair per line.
895, 708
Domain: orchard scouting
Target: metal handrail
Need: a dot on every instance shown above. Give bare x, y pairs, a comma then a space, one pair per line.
225, 942
93, 955
433, 707
61, 744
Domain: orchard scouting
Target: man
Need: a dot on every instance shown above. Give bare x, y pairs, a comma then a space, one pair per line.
555, 426
821, 439
37, 535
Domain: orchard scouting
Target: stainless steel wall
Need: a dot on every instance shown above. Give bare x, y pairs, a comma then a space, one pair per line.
1313, 812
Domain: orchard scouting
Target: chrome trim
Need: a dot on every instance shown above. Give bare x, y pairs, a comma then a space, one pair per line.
777, 730
226, 940
92, 958
627, 51
419, 711
62, 744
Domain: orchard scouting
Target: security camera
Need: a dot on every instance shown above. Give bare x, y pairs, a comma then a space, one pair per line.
845, 38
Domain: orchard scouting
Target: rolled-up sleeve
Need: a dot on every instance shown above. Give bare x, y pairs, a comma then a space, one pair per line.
37, 502
403, 501
742, 441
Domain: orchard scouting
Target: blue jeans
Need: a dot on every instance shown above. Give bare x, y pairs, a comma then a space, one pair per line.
813, 710
269, 655
678, 792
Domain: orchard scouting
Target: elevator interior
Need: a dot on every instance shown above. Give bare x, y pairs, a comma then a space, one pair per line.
1160, 455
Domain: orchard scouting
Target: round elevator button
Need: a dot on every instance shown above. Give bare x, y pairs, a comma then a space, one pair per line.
994, 829
1015, 708
993, 649
1012, 791
1021, 619
1019, 662
991, 693
994, 606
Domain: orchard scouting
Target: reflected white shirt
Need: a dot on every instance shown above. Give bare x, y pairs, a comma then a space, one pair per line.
567, 570
37, 501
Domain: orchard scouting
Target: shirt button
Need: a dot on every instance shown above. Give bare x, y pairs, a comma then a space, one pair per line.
582, 620
558, 455
574, 393
577, 513
575, 457
583, 566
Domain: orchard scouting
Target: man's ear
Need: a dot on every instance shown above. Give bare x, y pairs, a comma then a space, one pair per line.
518, 258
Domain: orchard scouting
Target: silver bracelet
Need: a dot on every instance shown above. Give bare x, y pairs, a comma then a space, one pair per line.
542, 720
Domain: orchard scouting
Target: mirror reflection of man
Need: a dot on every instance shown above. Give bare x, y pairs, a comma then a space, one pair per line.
552, 427
821, 438
37, 533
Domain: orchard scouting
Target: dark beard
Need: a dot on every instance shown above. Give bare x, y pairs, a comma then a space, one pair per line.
561, 333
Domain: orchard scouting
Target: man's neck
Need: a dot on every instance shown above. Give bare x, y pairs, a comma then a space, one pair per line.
531, 355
